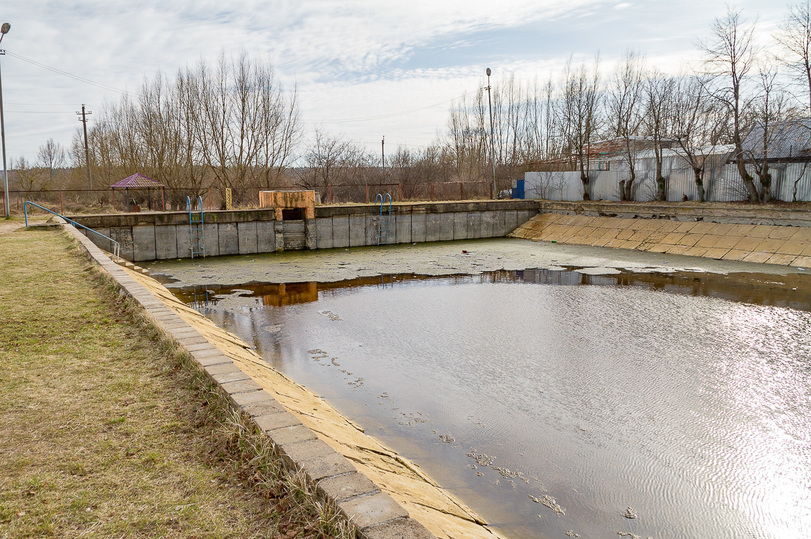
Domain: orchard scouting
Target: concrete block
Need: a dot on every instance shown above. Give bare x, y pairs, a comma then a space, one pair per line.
368, 511
446, 225
419, 227
214, 359
347, 486
247, 238
311, 450
279, 420
460, 226
310, 234
291, 435
211, 239
197, 347
143, 238
228, 239
406, 528
240, 386
474, 225
165, 242
278, 234
433, 226
340, 231
226, 377
252, 398
222, 368
323, 233
183, 239
325, 466
357, 230
265, 237
373, 224
265, 407
510, 221
191, 340
488, 224
124, 237
402, 228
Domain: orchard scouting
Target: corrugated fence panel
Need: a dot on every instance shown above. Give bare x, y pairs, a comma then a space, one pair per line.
722, 184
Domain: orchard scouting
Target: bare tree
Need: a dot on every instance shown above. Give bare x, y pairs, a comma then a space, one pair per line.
625, 109
658, 97
577, 111
795, 38
730, 55
51, 157
770, 109
696, 121
330, 161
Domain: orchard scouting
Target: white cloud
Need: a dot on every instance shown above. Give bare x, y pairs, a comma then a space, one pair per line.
349, 59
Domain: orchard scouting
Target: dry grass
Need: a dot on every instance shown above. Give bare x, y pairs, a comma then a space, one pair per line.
109, 431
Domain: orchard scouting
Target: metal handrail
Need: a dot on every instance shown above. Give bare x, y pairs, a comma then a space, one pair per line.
116, 245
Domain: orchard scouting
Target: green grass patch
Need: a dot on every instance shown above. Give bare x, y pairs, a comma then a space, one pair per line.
109, 430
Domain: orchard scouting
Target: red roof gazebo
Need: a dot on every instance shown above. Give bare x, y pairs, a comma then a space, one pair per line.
139, 181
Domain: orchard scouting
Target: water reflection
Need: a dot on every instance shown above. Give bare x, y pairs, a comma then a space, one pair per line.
556, 408
792, 291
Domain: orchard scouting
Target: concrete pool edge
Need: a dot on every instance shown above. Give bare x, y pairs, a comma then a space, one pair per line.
373, 512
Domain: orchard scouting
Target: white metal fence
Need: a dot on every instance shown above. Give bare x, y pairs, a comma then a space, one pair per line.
790, 182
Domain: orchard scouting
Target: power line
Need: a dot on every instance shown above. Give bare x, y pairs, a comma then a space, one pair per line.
71, 75
390, 115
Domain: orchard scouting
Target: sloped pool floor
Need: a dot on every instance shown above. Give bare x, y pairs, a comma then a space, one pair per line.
552, 409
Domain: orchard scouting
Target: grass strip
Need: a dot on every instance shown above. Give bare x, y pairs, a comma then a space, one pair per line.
108, 429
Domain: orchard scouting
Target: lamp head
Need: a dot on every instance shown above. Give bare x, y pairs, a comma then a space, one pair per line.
5, 28
488, 71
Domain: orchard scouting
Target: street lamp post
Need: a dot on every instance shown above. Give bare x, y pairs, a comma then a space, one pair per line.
3, 31
492, 144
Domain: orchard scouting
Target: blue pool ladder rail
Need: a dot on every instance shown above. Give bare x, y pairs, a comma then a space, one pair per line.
197, 239
384, 221
116, 246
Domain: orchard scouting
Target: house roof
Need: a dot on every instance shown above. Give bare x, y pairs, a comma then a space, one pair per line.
787, 140
136, 181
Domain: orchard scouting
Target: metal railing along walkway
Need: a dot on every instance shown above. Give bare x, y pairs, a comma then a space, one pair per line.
115, 244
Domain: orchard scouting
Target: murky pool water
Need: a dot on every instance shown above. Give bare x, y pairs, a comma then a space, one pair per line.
557, 409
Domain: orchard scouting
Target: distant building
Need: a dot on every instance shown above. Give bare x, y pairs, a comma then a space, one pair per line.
788, 142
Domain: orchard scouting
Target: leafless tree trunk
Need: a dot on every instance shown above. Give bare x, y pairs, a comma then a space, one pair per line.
659, 101
625, 111
795, 38
695, 121
578, 114
730, 55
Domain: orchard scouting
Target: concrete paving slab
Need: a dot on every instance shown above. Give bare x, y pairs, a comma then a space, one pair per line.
398, 529
346, 486
368, 511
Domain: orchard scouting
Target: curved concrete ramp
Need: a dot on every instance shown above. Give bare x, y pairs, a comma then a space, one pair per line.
769, 244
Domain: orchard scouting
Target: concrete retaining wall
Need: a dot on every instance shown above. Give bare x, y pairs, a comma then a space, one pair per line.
160, 236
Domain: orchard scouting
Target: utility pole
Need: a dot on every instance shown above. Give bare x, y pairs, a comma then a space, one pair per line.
492, 144
83, 119
383, 152
3, 31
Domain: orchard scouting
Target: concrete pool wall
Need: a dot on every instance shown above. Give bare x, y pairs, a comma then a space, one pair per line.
162, 236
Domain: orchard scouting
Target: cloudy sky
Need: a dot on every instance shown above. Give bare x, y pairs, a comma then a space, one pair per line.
364, 69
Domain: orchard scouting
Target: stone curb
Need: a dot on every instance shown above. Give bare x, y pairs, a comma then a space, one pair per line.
373, 513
